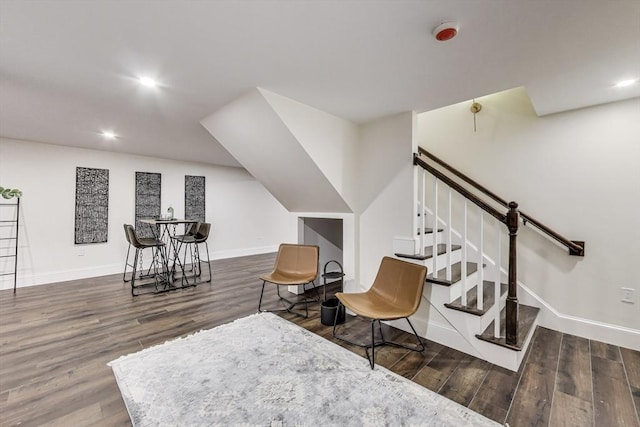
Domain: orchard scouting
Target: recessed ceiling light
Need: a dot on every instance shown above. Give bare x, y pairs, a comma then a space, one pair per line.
625, 83
107, 134
148, 81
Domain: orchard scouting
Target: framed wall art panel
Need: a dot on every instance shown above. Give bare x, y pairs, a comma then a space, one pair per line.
148, 188
92, 205
194, 198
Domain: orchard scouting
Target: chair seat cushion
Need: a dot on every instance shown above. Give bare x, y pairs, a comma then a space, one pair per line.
190, 239
149, 242
372, 306
280, 278
185, 238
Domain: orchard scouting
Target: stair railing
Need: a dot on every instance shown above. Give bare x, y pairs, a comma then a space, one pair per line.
511, 220
511, 323
576, 247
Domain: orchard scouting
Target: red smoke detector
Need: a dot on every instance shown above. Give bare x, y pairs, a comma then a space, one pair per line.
445, 31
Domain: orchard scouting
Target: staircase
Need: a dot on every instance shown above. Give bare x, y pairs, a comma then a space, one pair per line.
469, 247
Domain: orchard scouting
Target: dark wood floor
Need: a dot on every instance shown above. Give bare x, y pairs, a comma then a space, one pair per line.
55, 341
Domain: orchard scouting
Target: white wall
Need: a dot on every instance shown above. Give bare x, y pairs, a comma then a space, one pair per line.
246, 218
385, 190
348, 249
577, 172
326, 233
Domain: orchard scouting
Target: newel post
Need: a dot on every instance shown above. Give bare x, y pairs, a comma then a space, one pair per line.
512, 296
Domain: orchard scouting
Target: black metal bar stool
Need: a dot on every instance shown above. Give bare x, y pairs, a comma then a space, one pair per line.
194, 240
159, 263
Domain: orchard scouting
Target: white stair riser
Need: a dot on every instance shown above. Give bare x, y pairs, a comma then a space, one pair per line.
441, 261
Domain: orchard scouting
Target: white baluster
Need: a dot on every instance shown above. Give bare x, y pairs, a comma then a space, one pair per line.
423, 212
480, 304
416, 201
448, 233
435, 228
498, 278
463, 265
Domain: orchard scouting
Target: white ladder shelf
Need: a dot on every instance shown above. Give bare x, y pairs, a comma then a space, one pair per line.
12, 224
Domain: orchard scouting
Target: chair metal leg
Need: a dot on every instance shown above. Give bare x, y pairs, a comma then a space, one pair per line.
260, 302
181, 265
195, 260
291, 304
375, 344
154, 264
126, 264
191, 256
158, 270
133, 276
372, 360
180, 243
206, 246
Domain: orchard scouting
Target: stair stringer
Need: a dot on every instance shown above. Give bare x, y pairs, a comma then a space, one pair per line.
457, 329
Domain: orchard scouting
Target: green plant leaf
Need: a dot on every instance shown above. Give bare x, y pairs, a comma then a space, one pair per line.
9, 193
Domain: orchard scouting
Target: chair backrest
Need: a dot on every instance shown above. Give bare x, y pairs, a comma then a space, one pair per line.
132, 237
298, 260
400, 282
126, 233
203, 232
192, 229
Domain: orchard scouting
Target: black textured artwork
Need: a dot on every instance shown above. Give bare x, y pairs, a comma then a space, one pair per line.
147, 201
92, 205
194, 198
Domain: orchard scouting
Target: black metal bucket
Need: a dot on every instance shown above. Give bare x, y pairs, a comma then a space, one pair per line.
328, 312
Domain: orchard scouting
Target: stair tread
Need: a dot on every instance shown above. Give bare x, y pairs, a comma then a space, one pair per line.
429, 230
456, 274
488, 298
526, 319
418, 257
428, 252
442, 249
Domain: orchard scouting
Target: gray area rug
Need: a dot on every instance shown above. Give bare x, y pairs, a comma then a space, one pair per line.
262, 370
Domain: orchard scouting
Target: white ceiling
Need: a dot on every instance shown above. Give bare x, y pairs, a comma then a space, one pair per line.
68, 68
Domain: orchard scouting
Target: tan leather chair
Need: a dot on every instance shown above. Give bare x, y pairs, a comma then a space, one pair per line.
395, 294
295, 265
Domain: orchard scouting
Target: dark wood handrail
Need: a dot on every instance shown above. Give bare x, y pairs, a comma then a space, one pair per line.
460, 189
459, 174
575, 247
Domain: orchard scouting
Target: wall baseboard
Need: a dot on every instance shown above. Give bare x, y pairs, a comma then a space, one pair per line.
235, 253
26, 279
551, 318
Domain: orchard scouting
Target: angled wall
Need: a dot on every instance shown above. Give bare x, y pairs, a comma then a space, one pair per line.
251, 129
385, 202
329, 140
